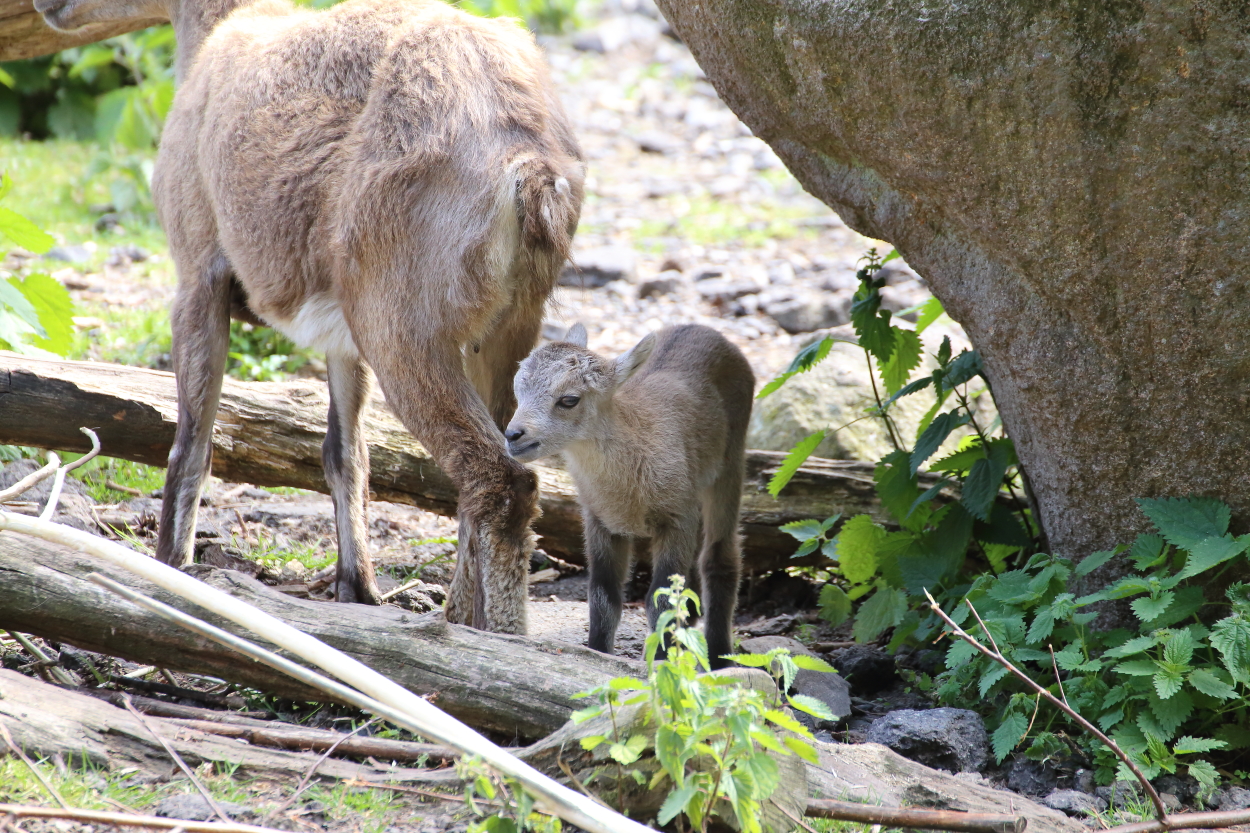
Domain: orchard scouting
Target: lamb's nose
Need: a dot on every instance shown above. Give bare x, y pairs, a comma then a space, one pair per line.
514, 434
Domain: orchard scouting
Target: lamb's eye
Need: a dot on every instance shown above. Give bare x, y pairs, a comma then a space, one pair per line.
568, 401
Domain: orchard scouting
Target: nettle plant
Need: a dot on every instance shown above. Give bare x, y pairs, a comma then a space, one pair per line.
35, 310
890, 569
712, 737
1171, 690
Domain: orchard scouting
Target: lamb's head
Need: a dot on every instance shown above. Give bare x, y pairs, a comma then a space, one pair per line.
564, 394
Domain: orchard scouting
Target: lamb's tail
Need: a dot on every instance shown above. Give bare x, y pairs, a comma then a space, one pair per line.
548, 204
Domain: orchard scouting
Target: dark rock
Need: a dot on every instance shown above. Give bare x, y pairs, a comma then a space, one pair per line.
215, 554
1171, 803
616, 32
1120, 792
866, 668
706, 271
653, 141
720, 290
76, 253
593, 268
949, 739
1231, 798
1031, 777
195, 808
1184, 787
128, 253
665, 283
108, 222
1075, 802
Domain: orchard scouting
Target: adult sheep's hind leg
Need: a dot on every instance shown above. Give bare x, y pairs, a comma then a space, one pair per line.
345, 458
200, 320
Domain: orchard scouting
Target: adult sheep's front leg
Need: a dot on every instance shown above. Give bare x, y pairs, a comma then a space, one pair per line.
425, 384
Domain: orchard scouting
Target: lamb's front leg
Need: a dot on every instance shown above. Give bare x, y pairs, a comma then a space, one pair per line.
607, 557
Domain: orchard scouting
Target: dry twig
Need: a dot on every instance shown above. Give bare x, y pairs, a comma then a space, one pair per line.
307, 779
27, 482
54, 497
62, 676
130, 819
1160, 811
186, 770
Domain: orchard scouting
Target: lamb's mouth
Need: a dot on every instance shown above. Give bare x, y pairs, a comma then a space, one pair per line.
523, 452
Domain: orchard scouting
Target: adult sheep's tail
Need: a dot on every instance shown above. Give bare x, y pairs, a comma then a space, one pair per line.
549, 206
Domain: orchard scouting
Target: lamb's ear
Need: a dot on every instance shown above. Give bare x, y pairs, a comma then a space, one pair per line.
576, 335
634, 359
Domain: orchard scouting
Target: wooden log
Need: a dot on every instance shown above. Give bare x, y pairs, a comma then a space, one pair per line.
47, 721
518, 687
23, 34
300, 738
270, 434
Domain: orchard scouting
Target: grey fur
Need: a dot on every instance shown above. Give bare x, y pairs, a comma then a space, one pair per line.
655, 442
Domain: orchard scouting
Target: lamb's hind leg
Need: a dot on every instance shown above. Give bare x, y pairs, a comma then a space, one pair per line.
200, 320
345, 458
720, 562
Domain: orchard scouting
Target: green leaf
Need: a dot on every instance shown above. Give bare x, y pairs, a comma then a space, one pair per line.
1188, 745
934, 436
1137, 668
904, 358
883, 610
786, 722
765, 774
591, 741
835, 605
23, 232
1204, 773
872, 324
965, 366
1231, 637
807, 358
675, 803
813, 664
1171, 712
802, 530
1209, 552
1092, 562
1110, 719
1008, 735
1212, 684
796, 458
630, 751
801, 748
1185, 522
930, 311
812, 706
51, 300
1041, 628
1146, 550
1133, 646
858, 543
981, 487
1151, 608
1004, 528
961, 460
993, 675
752, 660
11, 296
908, 390
896, 486
1168, 681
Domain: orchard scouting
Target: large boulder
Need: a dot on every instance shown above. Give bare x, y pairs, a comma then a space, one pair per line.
1073, 182
949, 739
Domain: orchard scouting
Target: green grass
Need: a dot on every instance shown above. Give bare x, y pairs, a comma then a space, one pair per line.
707, 220
96, 474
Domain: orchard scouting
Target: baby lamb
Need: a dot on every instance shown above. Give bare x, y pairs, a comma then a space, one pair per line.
655, 443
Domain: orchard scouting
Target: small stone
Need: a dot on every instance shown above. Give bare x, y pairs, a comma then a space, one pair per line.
808, 312
951, 739
828, 688
770, 627
77, 253
1231, 798
594, 268
1184, 787
720, 291
195, 808
653, 141
707, 271
129, 253
666, 283
1120, 792
1031, 777
1074, 802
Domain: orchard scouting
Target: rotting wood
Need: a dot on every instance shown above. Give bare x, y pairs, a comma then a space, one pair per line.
49, 721
517, 686
280, 736
23, 34
270, 434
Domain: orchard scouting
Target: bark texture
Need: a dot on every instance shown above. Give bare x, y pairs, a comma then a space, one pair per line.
519, 687
23, 34
270, 434
1073, 180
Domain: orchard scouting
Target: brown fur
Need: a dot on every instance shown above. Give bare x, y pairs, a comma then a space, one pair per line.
655, 442
392, 181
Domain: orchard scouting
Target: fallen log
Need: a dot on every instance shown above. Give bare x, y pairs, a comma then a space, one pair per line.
270, 434
23, 34
300, 738
519, 687
50, 721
